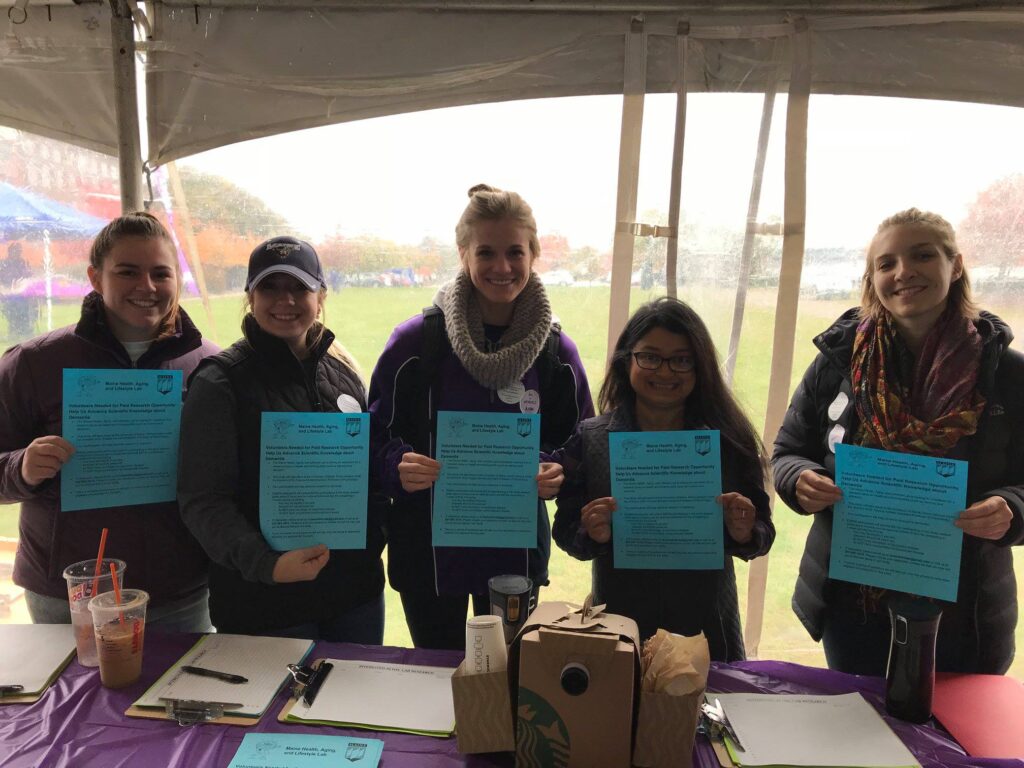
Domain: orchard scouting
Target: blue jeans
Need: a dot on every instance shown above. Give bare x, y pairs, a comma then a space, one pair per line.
363, 624
189, 614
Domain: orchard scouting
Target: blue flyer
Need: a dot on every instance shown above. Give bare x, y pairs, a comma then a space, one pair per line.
665, 484
487, 493
124, 424
314, 478
279, 750
894, 526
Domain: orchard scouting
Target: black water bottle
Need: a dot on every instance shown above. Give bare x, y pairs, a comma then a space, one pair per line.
910, 677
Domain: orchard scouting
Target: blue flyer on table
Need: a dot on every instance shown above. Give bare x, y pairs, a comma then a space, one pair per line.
314, 476
487, 493
894, 526
665, 484
124, 425
278, 750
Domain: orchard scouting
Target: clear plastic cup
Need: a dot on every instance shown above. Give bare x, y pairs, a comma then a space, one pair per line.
120, 632
81, 577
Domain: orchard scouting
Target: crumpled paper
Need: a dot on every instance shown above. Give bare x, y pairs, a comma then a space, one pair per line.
674, 664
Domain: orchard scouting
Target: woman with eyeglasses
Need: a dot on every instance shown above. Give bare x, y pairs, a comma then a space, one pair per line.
664, 375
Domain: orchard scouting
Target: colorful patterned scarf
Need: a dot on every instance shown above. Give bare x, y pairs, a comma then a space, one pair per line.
929, 415
941, 404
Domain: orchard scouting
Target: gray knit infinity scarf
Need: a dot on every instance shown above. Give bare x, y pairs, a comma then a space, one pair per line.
520, 344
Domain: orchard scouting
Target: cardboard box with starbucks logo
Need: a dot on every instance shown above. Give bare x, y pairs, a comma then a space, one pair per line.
578, 687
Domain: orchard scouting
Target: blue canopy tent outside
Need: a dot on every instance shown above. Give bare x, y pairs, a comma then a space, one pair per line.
25, 214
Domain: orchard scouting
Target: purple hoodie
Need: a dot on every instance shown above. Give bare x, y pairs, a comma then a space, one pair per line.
412, 561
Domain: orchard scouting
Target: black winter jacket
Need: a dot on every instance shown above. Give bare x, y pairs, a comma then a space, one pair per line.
985, 613
219, 484
681, 601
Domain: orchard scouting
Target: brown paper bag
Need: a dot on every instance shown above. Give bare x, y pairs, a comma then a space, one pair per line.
674, 678
666, 729
483, 712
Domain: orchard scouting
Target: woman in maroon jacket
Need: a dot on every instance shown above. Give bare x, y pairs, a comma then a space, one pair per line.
130, 320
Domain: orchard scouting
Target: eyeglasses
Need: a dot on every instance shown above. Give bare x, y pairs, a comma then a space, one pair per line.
652, 362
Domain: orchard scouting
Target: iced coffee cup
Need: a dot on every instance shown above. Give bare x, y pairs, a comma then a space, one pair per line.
83, 585
120, 631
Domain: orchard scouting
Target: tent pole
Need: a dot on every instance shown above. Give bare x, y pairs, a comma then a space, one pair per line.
634, 88
753, 204
126, 104
191, 248
788, 297
675, 191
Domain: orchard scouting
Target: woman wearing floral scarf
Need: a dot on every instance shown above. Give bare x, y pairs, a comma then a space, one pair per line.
917, 369
494, 347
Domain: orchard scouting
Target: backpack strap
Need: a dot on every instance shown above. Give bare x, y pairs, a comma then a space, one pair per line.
434, 346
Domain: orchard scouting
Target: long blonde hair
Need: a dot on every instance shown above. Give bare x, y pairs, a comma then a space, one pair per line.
316, 332
960, 296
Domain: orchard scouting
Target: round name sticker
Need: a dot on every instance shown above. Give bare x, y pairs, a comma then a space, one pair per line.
530, 402
836, 408
836, 436
348, 404
512, 393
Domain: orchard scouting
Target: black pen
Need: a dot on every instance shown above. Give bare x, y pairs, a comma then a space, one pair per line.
5, 689
227, 677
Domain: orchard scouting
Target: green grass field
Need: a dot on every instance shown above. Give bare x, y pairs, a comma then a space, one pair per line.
363, 318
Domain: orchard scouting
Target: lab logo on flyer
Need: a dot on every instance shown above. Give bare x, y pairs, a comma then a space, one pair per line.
355, 752
353, 427
945, 468
164, 383
282, 427
524, 427
702, 445
88, 385
630, 448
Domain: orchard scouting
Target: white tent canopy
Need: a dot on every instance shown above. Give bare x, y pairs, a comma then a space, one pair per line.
220, 71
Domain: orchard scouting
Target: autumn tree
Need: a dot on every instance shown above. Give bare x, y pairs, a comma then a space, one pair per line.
992, 233
216, 202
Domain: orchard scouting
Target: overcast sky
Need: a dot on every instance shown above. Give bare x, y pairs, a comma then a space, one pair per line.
405, 177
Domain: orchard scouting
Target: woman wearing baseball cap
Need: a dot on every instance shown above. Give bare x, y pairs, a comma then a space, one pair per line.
287, 360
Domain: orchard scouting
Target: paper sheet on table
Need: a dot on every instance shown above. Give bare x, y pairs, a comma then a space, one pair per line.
278, 750
383, 697
803, 730
263, 660
34, 654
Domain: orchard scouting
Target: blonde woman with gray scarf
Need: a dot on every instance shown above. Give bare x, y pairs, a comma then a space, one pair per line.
489, 343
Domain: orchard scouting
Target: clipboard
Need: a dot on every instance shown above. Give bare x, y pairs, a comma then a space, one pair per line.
50, 647
29, 698
158, 714
352, 677
190, 700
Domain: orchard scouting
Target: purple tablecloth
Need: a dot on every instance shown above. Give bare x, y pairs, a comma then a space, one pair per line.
79, 724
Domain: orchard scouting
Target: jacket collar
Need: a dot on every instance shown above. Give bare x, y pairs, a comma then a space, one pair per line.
93, 326
276, 350
836, 343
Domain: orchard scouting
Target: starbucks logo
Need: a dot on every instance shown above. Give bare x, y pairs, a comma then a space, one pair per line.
542, 740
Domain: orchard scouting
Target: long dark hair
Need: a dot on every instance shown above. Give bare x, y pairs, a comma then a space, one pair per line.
711, 404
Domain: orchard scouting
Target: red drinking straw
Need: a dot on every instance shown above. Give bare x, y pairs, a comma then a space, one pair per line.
99, 562
117, 591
